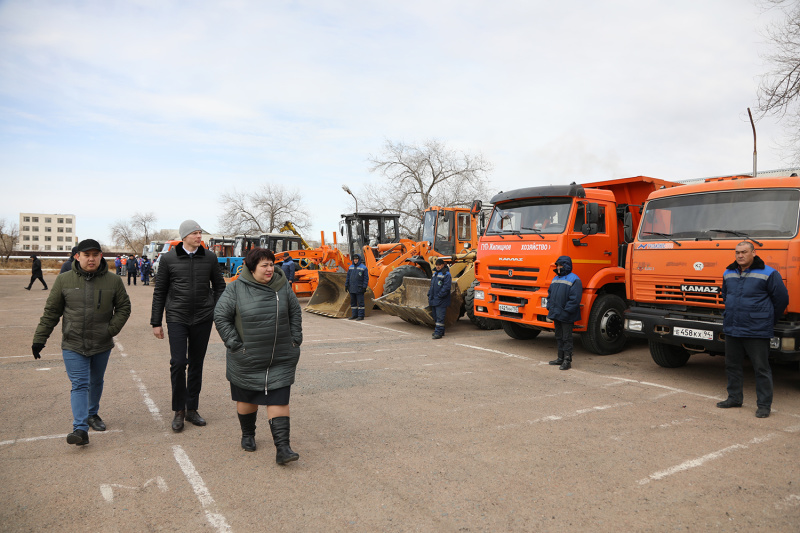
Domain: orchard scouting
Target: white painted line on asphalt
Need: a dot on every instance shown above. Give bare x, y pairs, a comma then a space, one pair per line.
107, 489
346, 339
216, 520
352, 361
14, 356
43, 368
151, 405
337, 353
694, 463
495, 351
61, 436
382, 327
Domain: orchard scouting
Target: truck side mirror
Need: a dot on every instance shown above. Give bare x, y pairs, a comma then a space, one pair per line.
592, 213
628, 225
589, 229
477, 205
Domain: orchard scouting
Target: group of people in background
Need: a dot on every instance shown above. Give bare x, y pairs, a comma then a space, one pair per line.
133, 266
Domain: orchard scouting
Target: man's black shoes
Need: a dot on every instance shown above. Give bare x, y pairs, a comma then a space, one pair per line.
727, 404
78, 437
177, 422
194, 417
96, 423
762, 412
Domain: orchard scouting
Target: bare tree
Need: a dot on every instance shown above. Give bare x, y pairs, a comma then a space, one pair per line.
417, 177
779, 88
9, 237
134, 232
262, 211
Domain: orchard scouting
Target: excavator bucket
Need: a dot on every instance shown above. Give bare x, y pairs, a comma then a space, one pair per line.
330, 298
410, 302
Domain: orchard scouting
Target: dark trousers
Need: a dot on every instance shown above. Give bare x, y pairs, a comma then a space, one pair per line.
357, 304
131, 273
439, 312
564, 338
187, 346
758, 352
34, 277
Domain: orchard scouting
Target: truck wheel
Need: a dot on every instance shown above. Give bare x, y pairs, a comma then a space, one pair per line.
480, 322
605, 332
395, 278
668, 355
516, 331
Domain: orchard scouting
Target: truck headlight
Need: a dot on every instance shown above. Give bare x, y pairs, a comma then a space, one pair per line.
479, 295
633, 325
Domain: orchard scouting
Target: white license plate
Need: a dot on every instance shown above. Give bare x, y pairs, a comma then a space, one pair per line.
693, 333
509, 308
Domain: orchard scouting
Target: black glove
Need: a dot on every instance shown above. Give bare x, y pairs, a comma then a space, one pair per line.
37, 349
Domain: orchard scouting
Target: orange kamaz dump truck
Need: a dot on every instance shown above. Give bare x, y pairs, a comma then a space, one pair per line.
530, 228
684, 244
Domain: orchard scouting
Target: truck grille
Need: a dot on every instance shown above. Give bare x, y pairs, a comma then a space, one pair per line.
672, 291
501, 273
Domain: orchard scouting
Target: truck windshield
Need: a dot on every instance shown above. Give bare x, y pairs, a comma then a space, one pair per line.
756, 213
540, 215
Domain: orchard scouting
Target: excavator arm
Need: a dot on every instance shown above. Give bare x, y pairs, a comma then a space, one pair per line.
288, 226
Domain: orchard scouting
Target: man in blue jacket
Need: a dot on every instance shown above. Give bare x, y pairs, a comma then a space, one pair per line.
564, 308
755, 299
356, 284
289, 267
439, 296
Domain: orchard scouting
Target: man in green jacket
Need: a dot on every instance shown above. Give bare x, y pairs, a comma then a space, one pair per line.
95, 306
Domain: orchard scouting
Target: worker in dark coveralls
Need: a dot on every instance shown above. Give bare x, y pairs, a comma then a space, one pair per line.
289, 267
564, 308
356, 284
755, 299
439, 296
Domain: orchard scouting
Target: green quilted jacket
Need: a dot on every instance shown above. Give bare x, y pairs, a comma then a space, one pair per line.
94, 307
261, 326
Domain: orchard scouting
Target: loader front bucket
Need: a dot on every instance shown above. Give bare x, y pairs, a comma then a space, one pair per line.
410, 302
330, 298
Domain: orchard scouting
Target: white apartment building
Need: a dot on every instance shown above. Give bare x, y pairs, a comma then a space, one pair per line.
46, 232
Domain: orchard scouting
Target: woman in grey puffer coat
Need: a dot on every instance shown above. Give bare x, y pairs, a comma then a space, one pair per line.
259, 319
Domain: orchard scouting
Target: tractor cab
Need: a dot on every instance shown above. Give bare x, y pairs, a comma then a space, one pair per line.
449, 231
280, 242
369, 229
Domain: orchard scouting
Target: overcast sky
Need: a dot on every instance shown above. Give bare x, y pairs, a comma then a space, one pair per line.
112, 107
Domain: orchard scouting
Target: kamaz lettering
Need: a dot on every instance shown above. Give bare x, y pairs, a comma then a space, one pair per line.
700, 288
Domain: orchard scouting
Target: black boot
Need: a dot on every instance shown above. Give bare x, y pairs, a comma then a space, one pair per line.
567, 364
559, 360
248, 424
280, 434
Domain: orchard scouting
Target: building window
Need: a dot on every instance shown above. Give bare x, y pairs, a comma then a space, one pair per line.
34, 237
48, 229
26, 246
60, 247
47, 238
68, 230
47, 247
48, 220
68, 221
35, 219
26, 219
60, 220
26, 228
26, 237
35, 247
35, 228
60, 239
61, 230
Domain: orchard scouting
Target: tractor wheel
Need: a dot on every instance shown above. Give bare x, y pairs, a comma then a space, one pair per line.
395, 278
480, 322
517, 331
605, 332
668, 355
